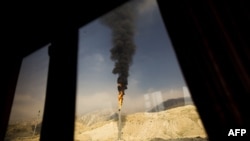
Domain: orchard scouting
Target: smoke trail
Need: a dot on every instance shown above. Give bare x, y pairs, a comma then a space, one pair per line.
122, 23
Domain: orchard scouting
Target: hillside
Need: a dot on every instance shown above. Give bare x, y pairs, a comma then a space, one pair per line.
172, 103
181, 123
23, 131
175, 124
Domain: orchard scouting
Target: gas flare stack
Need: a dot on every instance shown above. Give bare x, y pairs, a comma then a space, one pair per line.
121, 93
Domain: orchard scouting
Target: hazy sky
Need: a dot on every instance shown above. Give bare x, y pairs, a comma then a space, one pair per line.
154, 69
31, 86
154, 66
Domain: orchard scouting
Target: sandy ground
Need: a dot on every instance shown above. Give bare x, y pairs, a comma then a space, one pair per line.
181, 123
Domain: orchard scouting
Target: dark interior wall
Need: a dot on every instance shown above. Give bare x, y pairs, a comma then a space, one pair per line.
9, 75
211, 41
28, 27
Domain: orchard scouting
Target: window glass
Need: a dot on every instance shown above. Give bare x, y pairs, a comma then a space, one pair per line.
27, 109
128, 50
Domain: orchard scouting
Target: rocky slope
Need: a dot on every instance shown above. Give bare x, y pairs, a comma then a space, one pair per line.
175, 124
181, 123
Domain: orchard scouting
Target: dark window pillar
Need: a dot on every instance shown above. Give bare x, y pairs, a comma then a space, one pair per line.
59, 111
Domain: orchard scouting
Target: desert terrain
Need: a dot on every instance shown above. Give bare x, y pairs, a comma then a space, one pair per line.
175, 124
181, 123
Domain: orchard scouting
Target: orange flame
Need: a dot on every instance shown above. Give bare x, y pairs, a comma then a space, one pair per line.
120, 96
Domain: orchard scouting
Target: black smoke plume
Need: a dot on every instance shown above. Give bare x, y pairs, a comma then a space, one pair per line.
122, 23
